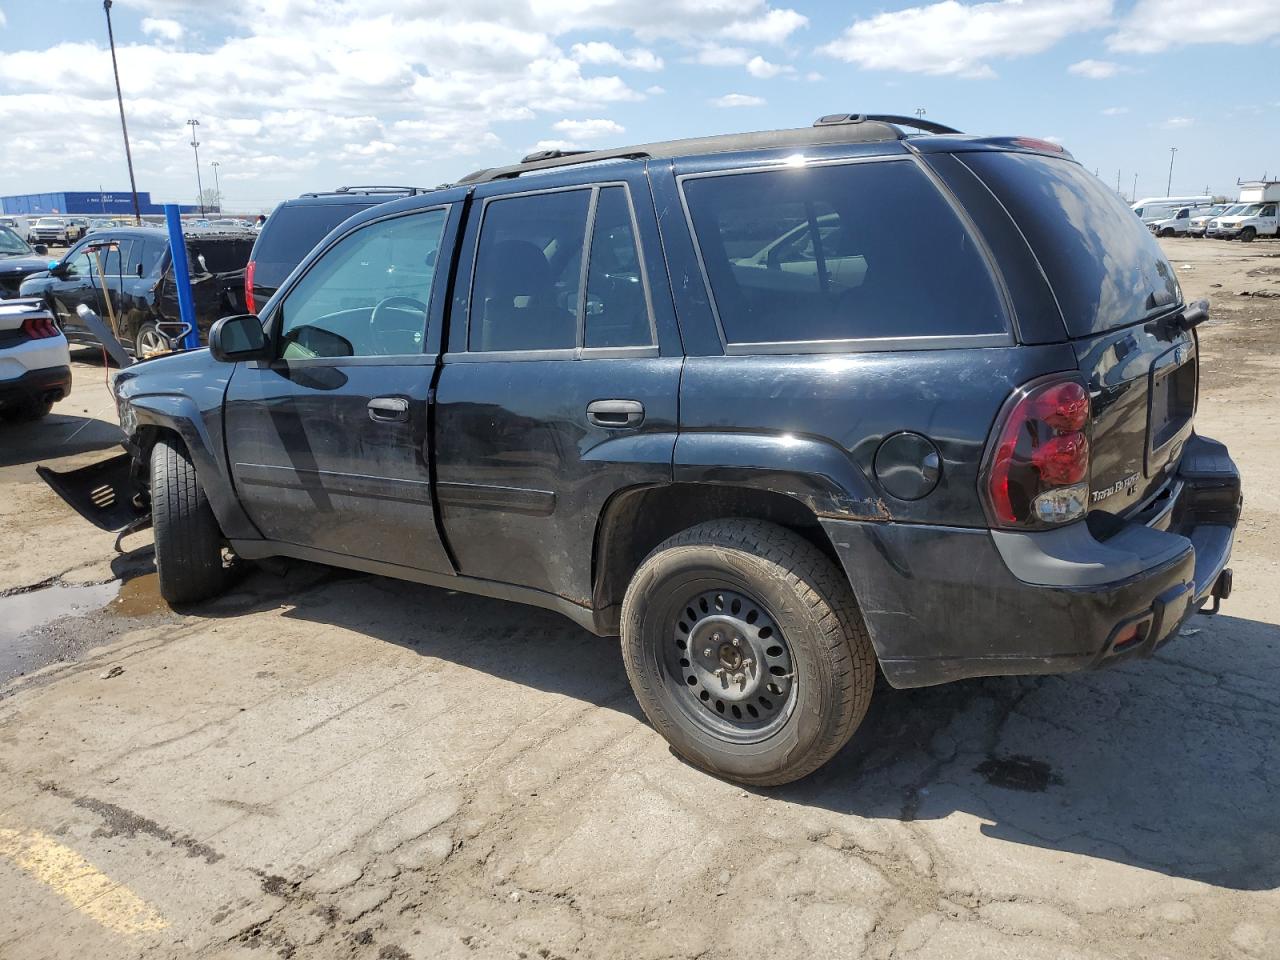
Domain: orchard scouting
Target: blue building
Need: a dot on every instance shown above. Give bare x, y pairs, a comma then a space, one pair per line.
84, 203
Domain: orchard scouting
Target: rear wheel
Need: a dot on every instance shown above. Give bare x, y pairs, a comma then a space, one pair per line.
30, 410
746, 651
188, 542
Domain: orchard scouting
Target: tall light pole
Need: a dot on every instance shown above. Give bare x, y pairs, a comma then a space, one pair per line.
217, 187
124, 128
1134, 197
1168, 187
195, 145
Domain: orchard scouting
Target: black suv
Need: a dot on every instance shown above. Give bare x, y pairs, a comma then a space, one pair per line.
775, 408
296, 226
132, 267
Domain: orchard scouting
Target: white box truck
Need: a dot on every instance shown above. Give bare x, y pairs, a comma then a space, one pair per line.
1256, 216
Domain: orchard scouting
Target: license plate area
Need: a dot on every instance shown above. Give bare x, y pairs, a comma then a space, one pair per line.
1171, 405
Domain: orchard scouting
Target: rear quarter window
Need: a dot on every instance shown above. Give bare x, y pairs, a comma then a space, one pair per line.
855, 251
1104, 265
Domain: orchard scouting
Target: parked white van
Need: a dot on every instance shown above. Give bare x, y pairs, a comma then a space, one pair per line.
1151, 209
1252, 221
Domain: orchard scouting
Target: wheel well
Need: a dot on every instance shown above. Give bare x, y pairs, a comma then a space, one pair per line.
635, 521
145, 439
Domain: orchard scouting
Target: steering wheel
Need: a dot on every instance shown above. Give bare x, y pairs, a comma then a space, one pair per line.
378, 331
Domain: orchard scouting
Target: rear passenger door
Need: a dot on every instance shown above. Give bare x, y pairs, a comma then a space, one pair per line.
560, 385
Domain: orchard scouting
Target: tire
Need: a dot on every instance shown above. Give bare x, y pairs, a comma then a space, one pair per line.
1248, 234
147, 339
791, 609
29, 410
188, 541
1166, 232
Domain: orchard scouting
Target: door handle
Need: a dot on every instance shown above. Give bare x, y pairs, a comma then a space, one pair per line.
388, 409
616, 413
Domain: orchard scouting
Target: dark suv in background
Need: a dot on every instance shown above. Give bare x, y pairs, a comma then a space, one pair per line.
776, 408
298, 225
137, 275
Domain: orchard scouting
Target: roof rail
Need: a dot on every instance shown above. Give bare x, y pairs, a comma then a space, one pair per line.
838, 128
919, 123
367, 191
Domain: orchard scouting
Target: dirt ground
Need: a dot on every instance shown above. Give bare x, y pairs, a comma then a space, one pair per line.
331, 765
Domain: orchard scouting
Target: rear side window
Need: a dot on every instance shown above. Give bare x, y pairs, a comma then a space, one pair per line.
617, 311
289, 235
839, 252
1105, 267
528, 274
218, 256
148, 254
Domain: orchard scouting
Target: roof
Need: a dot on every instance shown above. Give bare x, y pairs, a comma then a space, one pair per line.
830, 129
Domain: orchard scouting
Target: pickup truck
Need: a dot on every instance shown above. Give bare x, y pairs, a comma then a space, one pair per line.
725, 399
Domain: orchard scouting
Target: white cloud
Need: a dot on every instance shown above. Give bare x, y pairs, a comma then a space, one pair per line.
1174, 123
588, 131
955, 38
164, 29
1115, 111
764, 70
1097, 69
774, 27
2, 19
737, 100
598, 52
716, 55
1155, 25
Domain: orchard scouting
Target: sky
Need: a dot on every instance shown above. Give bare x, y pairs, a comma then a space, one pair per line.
298, 95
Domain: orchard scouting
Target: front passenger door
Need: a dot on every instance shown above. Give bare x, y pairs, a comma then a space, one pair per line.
328, 442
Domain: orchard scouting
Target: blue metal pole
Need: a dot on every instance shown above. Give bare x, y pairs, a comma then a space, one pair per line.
182, 275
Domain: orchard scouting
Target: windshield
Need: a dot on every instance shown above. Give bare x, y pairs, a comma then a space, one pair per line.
1249, 210
11, 243
49, 222
1105, 267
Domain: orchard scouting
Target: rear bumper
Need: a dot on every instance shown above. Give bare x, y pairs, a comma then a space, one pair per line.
51, 382
945, 603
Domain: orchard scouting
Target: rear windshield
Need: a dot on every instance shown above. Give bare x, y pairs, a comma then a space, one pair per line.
854, 251
291, 232
1106, 268
225, 255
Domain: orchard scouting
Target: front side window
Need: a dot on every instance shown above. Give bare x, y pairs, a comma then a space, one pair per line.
81, 265
527, 280
367, 295
839, 252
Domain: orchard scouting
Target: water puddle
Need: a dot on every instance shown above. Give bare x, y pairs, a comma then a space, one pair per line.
21, 612
139, 597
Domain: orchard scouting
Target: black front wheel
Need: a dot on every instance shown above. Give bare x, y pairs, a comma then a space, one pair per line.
1248, 234
746, 651
189, 561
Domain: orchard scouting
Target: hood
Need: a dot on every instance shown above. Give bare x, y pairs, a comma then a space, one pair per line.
1235, 218
23, 265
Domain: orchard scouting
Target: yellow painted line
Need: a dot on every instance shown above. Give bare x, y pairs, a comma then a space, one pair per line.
79, 882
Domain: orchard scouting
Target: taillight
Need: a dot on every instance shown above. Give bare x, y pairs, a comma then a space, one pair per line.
40, 328
1038, 469
248, 286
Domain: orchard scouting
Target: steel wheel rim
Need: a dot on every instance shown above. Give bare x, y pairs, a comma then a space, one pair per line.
739, 691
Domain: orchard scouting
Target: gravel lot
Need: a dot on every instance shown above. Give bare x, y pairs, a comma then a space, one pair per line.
324, 764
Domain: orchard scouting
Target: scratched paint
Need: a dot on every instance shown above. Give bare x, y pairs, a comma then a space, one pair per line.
80, 883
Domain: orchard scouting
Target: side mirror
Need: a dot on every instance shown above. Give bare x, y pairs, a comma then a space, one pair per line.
139, 271
40, 249
238, 338
55, 267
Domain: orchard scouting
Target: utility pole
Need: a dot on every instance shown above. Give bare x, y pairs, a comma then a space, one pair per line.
217, 187
124, 128
1134, 197
1118, 183
195, 145
1168, 189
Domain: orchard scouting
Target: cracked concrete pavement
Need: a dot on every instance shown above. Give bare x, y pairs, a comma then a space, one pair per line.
324, 764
